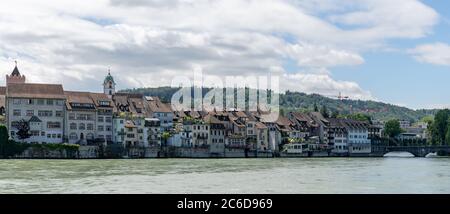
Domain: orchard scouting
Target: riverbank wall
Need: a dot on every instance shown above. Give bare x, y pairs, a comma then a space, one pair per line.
118, 152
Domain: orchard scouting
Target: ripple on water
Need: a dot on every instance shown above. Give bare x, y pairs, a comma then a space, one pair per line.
322, 175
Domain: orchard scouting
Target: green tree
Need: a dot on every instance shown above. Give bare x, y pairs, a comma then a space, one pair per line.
335, 114
316, 109
324, 112
447, 136
23, 130
392, 128
3, 134
361, 117
439, 127
3, 139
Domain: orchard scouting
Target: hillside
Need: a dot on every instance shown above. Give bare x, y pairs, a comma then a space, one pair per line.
297, 101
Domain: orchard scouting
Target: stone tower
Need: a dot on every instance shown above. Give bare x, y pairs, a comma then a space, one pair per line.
109, 86
15, 76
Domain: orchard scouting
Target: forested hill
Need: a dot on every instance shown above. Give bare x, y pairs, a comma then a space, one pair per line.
296, 101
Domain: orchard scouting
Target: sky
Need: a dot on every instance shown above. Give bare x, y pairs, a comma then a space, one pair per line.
365, 49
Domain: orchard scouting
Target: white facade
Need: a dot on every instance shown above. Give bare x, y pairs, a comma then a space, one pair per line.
50, 113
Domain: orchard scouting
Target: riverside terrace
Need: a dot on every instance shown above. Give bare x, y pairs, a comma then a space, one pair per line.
127, 120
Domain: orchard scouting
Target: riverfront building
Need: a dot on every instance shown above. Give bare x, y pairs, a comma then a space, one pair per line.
134, 120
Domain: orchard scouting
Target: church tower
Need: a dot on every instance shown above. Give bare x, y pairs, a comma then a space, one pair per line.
15, 76
109, 86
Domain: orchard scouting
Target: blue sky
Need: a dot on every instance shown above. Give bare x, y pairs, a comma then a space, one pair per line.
396, 77
366, 49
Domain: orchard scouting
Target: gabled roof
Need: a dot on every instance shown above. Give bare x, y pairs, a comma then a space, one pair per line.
97, 97
35, 119
211, 119
33, 90
260, 125
78, 97
348, 124
155, 105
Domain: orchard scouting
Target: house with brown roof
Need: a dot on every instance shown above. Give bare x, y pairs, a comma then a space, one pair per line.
43, 105
160, 110
57, 116
88, 118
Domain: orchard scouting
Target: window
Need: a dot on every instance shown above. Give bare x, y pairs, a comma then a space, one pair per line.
42, 113
73, 126
104, 103
59, 136
53, 125
90, 136
108, 128
59, 102
49, 136
17, 112
108, 119
30, 112
40, 101
73, 136
16, 101
35, 133
82, 117
100, 119
121, 121
53, 135
50, 102
130, 135
42, 134
81, 126
90, 126
72, 116
30, 101
59, 113
89, 117
13, 133
100, 128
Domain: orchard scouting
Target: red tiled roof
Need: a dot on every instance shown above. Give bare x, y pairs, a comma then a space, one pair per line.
33, 90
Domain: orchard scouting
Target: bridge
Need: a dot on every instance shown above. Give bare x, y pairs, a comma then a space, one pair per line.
418, 151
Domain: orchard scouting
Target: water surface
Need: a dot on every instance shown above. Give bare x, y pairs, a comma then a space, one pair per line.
321, 175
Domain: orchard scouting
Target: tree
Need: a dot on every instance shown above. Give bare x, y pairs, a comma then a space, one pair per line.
3, 135
335, 114
439, 127
447, 136
392, 128
324, 112
316, 109
282, 113
3, 139
165, 137
361, 117
23, 130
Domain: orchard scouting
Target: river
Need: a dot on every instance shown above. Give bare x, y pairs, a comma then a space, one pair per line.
308, 175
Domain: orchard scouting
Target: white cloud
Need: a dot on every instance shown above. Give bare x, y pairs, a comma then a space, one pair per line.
324, 84
436, 53
146, 43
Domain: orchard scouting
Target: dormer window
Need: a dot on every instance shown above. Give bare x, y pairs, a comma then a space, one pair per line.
104, 103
